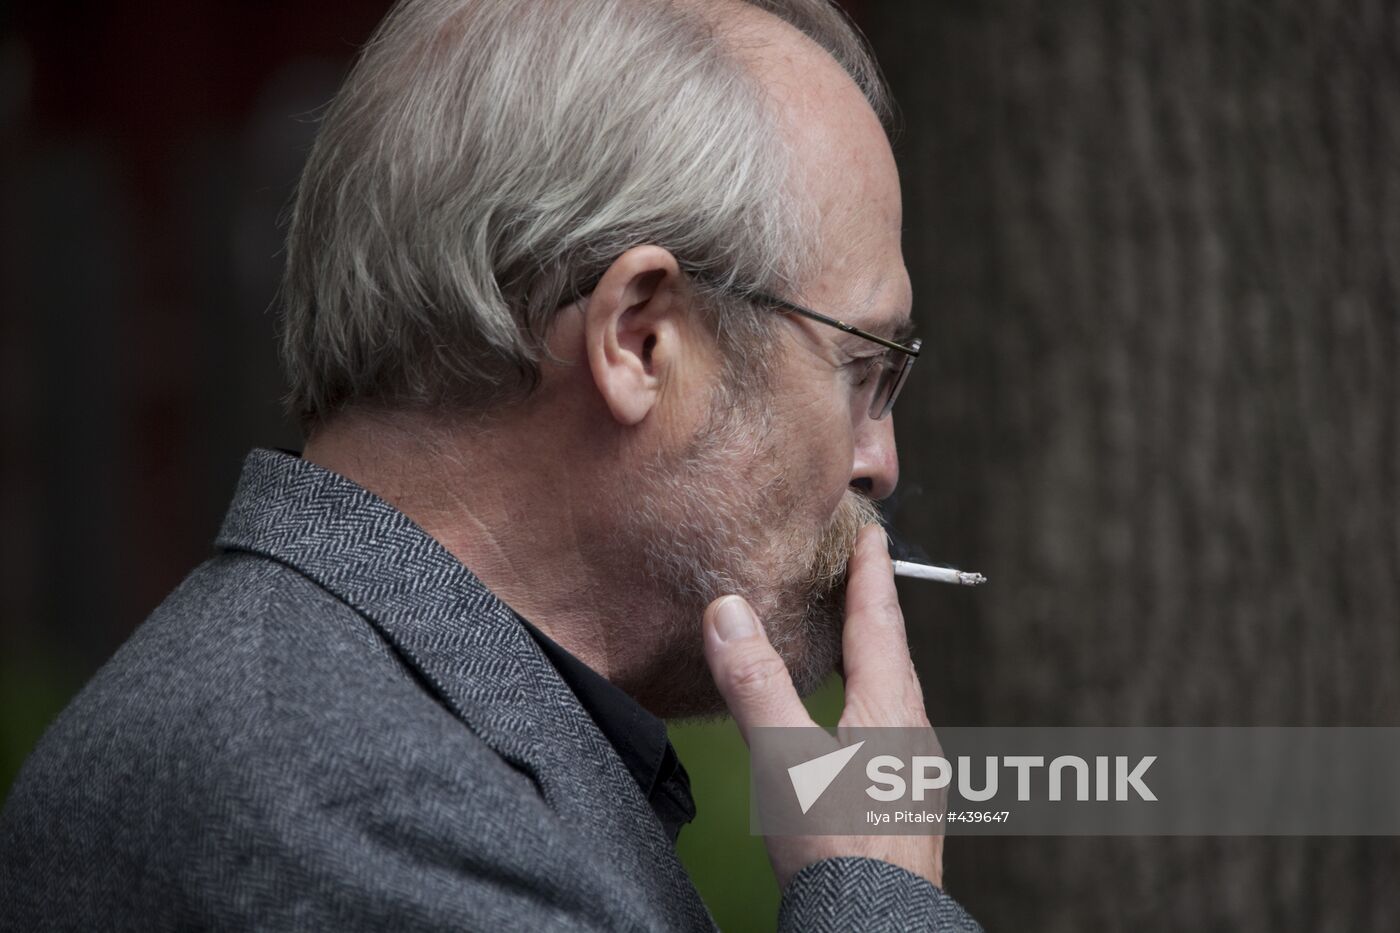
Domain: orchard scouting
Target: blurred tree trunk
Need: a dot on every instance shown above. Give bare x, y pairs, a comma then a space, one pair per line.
1156, 253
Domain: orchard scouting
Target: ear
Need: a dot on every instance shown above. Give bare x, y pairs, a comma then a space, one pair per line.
632, 330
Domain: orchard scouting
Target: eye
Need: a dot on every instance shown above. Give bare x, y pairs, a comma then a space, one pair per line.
862, 369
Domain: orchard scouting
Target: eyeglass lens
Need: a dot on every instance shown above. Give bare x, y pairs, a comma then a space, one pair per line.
892, 378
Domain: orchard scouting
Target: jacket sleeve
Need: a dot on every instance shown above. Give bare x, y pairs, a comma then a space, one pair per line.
867, 895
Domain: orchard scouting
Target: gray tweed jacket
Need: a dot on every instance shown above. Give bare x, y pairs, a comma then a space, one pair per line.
332, 724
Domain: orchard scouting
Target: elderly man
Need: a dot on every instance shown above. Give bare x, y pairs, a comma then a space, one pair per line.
585, 448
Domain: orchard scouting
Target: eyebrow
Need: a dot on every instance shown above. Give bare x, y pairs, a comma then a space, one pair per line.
898, 331
901, 332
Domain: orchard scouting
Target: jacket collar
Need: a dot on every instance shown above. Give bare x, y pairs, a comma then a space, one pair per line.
458, 636
465, 645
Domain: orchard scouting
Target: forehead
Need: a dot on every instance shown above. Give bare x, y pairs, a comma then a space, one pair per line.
891, 321
841, 166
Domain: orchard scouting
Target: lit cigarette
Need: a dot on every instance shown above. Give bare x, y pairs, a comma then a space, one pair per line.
904, 568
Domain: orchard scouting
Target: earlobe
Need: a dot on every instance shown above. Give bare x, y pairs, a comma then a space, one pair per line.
629, 323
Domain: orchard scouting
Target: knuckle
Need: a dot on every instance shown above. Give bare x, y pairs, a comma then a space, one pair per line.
918, 716
888, 606
915, 699
757, 675
884, 609
902, 708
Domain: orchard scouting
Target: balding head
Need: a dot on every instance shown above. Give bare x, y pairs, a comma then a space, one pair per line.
487, 159
840, 164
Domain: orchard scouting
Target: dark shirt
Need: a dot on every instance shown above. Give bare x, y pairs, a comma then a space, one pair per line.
638, 736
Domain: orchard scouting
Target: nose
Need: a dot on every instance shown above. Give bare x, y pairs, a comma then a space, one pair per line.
876, 468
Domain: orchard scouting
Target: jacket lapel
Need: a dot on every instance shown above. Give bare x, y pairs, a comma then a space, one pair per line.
461, 640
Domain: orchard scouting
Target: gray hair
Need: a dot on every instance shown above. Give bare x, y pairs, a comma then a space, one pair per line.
487, 160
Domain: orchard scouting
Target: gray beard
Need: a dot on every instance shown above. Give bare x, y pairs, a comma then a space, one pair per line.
704, 530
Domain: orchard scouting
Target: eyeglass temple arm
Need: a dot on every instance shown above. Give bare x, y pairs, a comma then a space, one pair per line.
840, 325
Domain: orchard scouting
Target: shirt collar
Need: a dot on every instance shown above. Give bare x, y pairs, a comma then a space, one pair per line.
639, 737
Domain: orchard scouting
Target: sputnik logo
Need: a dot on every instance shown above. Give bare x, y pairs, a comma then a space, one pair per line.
810, 779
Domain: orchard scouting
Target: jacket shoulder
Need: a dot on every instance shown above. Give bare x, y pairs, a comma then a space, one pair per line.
254, 737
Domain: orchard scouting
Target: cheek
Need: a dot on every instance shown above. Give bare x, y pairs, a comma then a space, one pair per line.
837, 449
828, 459
816, 430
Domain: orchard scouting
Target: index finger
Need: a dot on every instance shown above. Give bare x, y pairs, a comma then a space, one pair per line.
881, 686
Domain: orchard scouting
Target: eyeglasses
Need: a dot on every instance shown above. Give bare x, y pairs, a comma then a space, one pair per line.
894, 364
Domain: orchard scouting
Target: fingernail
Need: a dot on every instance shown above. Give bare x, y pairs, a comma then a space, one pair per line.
734, 620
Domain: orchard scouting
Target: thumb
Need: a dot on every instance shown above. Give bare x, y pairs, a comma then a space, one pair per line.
749, 674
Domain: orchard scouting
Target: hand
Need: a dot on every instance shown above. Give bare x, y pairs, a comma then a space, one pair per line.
882, 689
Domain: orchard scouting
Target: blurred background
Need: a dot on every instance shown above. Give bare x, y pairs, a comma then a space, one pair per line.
1156, 254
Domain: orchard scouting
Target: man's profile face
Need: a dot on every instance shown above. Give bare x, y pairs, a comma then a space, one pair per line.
759, 501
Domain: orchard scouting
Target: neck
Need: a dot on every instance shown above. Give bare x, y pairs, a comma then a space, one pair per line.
508, 507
